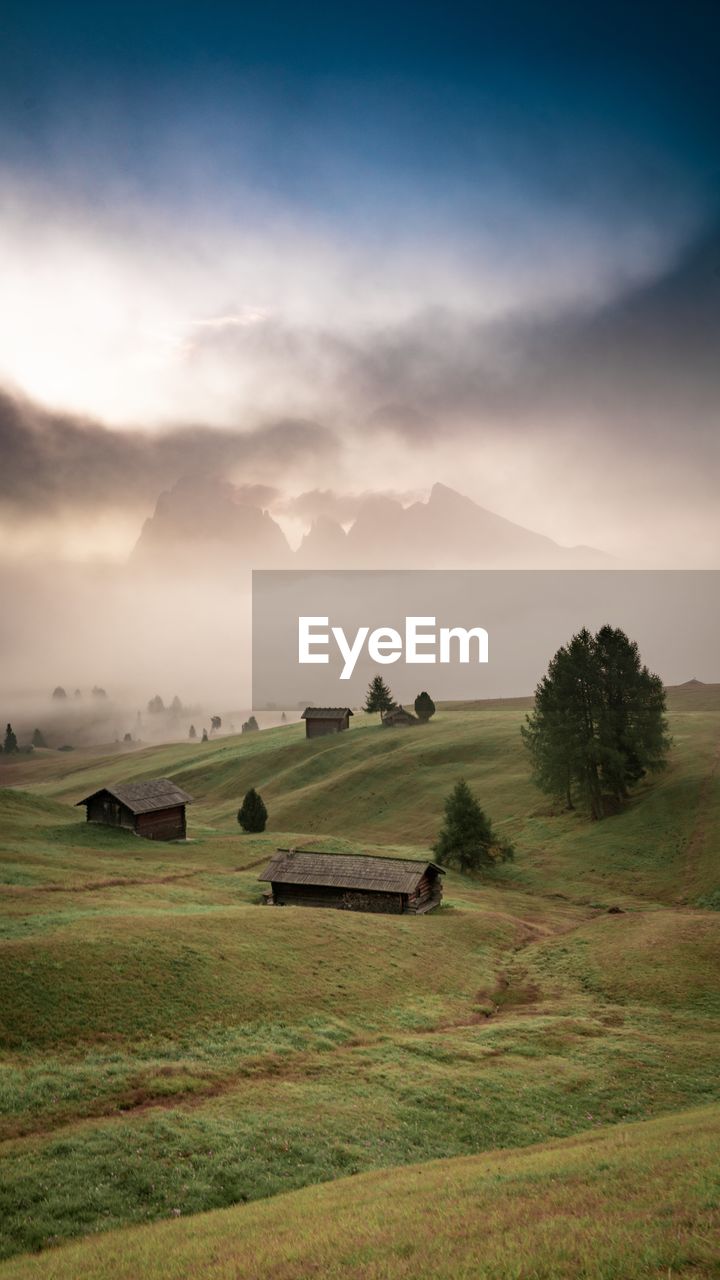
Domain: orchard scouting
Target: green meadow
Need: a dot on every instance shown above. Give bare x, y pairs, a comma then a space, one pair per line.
520, 1083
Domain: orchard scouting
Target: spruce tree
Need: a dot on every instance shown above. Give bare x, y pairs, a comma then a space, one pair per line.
10, 745
252, 814
193, 732
466, 838
424, 706
38, 738
598, 724
379, 698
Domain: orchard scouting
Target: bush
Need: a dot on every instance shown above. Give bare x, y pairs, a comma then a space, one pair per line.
252, 814
424, 706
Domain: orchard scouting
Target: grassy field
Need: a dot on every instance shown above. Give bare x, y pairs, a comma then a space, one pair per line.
637, 1200
167, 1046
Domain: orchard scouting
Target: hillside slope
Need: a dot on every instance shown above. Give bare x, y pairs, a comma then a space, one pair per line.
633, 1201
167, 1045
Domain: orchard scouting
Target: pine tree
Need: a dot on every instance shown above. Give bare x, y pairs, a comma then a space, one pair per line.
466, 838
379, 698
424, 706
598, 724
38, 739
193, 732
252, 814
250, 725
10, 745
204, 736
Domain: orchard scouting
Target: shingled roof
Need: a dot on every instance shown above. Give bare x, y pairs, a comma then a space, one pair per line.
325, 713
346, 871
144, 797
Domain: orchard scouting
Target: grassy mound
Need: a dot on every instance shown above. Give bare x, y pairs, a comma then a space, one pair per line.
661, 959
635, 1201
170, 1045
104, 977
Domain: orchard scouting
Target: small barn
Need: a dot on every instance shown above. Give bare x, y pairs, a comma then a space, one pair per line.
352, 882
398, 717
320, 720
154, 809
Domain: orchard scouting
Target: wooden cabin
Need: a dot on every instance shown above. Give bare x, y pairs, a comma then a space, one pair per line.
320, 720
352, 882
398, 717
154, 809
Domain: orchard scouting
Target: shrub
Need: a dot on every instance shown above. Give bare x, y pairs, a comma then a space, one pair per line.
424, 706
252, 814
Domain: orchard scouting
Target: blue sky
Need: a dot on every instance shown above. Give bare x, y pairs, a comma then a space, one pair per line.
274, 95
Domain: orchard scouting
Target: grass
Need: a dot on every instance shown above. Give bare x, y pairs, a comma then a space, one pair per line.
167, 1046
636, 1200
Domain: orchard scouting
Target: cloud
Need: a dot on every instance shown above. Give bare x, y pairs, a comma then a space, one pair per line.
58, 463
331, 504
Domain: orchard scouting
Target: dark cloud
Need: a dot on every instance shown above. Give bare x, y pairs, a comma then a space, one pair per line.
53, 462
642, 367
646, 363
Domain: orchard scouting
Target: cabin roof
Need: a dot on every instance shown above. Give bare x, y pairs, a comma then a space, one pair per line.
346, 871
144, 797
325, 713
399, 713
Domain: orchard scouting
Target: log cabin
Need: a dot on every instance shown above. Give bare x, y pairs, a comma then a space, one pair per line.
352, 882
321, 720
154, 809
398, 718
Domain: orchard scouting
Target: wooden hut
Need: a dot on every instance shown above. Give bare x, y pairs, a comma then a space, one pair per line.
352, 882
398, 718
320, 720
154, 809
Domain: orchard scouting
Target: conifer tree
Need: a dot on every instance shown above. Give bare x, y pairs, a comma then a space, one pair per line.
38, 739
379, 698
466, 838
598, 724
252, 814
10, 745
193, 732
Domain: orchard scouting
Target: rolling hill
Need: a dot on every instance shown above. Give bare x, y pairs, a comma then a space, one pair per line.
169, 1047
635, 1200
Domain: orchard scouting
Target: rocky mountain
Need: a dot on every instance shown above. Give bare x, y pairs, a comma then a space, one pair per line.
448, 531
208, 524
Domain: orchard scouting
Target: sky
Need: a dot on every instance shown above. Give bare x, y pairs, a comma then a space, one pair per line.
349, 248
